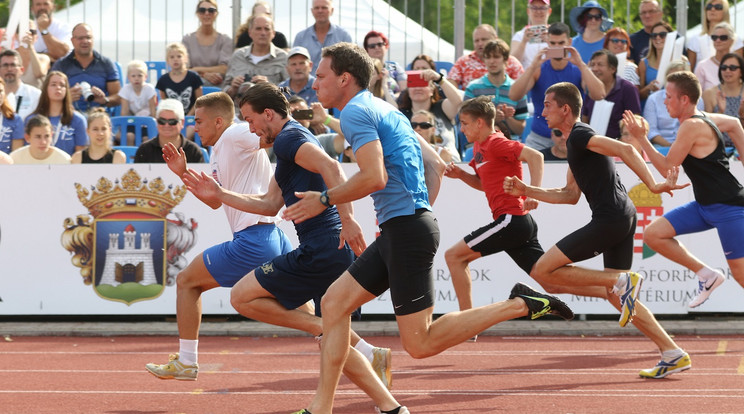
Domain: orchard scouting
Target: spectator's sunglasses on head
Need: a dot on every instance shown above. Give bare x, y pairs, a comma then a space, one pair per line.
422, 125
723, 38
375, 45
729, 67
616, 40
202, 10
661, 35
711, 6
171, 122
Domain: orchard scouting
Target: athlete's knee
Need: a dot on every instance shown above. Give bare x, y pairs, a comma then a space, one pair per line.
417, 349
333, 306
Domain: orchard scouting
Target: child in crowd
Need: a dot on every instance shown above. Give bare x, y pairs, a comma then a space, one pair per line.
99, 151
180, 83
38, 135
138, 97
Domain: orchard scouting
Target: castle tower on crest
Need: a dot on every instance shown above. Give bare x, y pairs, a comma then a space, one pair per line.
129, 263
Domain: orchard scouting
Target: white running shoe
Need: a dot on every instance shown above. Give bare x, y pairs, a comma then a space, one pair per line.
705, 289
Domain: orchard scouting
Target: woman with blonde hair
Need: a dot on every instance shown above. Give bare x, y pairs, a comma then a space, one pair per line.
700, 47
379, 83
648, 68
208, 50
244, 39
99, 151
707, 69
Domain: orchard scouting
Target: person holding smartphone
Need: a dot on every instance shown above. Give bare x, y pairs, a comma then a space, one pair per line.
534, 37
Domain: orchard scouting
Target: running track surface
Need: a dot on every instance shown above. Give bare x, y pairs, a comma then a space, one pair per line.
278, 375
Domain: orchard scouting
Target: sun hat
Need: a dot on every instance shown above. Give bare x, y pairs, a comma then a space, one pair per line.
573, 16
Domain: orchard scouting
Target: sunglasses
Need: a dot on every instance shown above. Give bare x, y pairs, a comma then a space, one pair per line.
661, 35
171, 122
590, 16
723, 38
202, 10
729, 67
422, 125
714, 6
623, 41
375, 45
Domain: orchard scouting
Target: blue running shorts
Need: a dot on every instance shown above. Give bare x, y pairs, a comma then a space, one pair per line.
728, 220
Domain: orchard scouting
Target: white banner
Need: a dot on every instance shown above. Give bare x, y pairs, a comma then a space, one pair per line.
41, 217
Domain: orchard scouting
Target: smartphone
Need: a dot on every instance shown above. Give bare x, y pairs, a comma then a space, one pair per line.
415, 80
535, 33
555, 52
302, 114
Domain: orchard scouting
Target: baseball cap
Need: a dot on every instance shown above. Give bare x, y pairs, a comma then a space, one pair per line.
547, 2
299, 50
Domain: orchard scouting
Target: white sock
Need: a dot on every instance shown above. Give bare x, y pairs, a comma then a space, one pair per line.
188, 352
671, 354
366, 349
620, 284
706, 273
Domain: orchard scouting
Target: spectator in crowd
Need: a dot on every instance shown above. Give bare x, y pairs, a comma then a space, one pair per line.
138, 97
543, 72
702, 46
623, 94
99, 151
628, 138
376, 44
38, 135
243, 39
471, 66
35, 65
422, 62
380, 82
617, 41
170, 118
418, 98
651, 14
590, 21
423, 123
322, 33
180, 83
11, 125
85, 65
662, 128
726, 98
510, 115
259, 62
54, 35
55, 103
208, 50
707, 69
23, 98
559, 151
649, 66
526, 43
300, 81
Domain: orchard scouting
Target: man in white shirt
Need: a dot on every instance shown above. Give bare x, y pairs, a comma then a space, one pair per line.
23, 98
54, 36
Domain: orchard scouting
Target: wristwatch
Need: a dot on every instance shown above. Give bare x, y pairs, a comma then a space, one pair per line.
324, 199
44, 32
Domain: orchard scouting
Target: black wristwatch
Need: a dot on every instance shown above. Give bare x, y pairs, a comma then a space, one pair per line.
441, 78
324, 198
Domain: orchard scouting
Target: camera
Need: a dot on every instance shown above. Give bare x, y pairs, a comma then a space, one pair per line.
86, 92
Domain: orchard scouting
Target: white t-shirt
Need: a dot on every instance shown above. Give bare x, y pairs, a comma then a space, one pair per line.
29, 101
23, 156
703, 46
138, 104
58, 29
239, 164
530, 49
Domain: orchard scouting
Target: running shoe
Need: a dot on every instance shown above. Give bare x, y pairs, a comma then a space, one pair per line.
302, 411
401, 410
540, 304
174, 369
627, 288
382, 364
667, 367
705, 289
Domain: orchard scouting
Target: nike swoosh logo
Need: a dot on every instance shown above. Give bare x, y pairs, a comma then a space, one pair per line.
711, 284
481, 164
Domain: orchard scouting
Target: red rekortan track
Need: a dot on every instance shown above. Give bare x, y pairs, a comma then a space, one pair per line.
279, 375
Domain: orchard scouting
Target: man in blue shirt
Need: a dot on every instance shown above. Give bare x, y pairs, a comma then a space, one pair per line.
300, 81
321, 34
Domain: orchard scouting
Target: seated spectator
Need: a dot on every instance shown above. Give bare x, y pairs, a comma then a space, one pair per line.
662, 128
650, 13
701, 46
243, 39
423, 123
558, 152
55, 103
85, 65
590, 21
322, 33
23, 98
379, 83
527, 42
649, 66
376, 44
617, 41
138, 98
471, 66
35, 65
180, 83
422, 62
510, 115
707, 69
627, 138
726, 98
300, 81
11, 125
170, 118
259, 62
414, 99
54, 34
621, 93
38, 135
99, 151
208, 50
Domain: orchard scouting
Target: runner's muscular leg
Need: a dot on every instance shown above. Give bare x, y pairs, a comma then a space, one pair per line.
191, 282
659, 235
458, 259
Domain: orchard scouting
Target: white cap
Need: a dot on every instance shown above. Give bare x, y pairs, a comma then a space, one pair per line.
299, 50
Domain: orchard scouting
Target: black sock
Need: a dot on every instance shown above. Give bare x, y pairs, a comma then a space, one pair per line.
393, 411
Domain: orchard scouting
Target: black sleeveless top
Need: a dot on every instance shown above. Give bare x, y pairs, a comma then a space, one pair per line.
106, 159
712, 182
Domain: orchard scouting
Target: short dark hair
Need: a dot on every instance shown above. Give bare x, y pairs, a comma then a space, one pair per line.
11, 53
297, 99
559, 28
566, 93
36, 121
352, 59
219, 102
480, 107
687, 84
611, 58
495, 48
263, 96
727, 56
